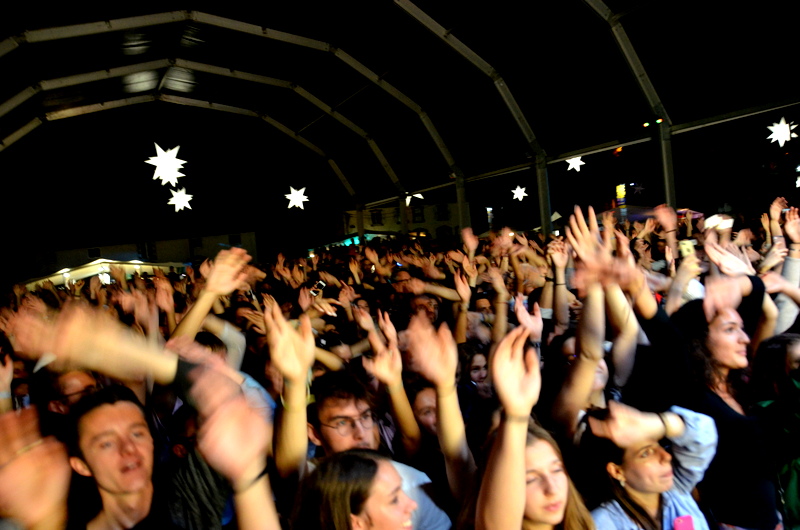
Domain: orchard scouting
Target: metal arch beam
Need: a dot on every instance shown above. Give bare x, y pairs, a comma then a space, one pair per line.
19, 133
87, 109
105, 26
97, 107
18, 99
649, 91
275, 123
505, 93
101, 75
201, 67
234, 25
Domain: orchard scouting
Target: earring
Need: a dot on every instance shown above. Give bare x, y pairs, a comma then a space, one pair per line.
622, 483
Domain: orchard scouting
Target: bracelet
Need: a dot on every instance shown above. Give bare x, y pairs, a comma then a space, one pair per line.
5, 395
537, 345
668, 231
253, 483
516, 419
560, 284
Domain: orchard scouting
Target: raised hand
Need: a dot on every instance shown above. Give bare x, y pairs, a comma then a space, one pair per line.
433, 354
721, 293
727, 262
777, 253
515, 373
387, 328
530, 321
792, 225
347, 295
233, 437
462, 287
627, 426
363, 319
228, 271
776, 208
469, 268
557, 252
666, 217
386, 365
498, 283
471, 241
292, 351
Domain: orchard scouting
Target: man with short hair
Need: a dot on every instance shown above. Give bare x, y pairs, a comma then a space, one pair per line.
341, 418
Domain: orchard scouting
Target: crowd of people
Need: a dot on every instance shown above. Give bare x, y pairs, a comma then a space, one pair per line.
630, 375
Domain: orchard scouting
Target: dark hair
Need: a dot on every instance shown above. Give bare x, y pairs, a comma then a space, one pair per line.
105, 396
337, 488
603, 451
336, 385
211, 341
770, 368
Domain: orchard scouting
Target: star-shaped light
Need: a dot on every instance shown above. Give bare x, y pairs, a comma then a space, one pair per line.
180, 199
638, 189
519, 193
408, 198
575, 163
296, 197
167, 165
781, 132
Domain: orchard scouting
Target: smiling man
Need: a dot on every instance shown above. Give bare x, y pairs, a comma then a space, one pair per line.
111, 442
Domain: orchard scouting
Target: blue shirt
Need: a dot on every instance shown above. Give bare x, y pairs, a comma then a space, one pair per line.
692, 453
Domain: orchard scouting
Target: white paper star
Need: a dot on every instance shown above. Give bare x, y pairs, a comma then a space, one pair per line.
781, 132
180, 199
575, 163
167, 165
296, 197
408, 198
519, 193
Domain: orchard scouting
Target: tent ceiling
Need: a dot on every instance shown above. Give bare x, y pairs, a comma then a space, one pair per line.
265, 96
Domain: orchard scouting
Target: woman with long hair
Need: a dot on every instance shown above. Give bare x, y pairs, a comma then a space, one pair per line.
525, 484
353, 490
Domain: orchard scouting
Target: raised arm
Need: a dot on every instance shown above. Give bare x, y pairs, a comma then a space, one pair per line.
387, 367
226, 275
292, 352
235, 440
501, 500
434, 356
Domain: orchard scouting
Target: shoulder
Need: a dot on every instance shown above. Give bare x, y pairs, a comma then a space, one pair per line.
610, 516
412, 477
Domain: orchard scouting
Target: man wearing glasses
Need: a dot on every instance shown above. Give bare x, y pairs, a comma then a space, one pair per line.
342, 418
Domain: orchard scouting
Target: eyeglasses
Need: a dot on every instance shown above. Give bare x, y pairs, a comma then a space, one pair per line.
346, 425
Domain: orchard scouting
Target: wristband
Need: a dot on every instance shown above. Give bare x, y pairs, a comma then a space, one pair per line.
516, 419
668, 231
5, 395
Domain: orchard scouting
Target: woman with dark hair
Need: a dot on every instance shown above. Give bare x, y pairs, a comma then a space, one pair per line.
353, 490
708, 342
650, 481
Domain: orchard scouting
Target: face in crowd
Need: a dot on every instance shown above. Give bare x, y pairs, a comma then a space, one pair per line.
344, 424
116, 448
